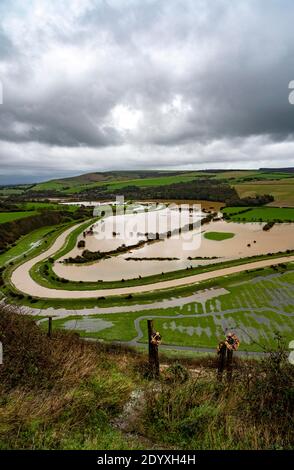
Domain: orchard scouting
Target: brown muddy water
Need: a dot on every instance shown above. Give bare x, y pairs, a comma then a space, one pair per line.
249, 239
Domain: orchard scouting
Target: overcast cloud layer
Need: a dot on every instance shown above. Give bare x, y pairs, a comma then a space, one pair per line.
96, 85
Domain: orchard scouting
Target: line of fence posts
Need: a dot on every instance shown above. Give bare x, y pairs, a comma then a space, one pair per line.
224, 353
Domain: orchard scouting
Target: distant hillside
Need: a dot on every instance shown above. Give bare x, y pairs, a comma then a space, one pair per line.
278, 170
278, 182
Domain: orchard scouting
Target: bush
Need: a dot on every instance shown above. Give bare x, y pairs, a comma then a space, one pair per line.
255, 411
271, 395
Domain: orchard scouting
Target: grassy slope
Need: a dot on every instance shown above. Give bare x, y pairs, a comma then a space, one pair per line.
76, 186
62, 393
24, 245
10, 216
67, 393
247, 182
37, 206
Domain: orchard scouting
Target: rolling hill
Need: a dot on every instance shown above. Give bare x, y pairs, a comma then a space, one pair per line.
248, 183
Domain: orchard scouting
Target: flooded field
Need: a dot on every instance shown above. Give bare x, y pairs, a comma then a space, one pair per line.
249, 239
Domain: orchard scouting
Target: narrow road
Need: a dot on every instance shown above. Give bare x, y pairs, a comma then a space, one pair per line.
22, 280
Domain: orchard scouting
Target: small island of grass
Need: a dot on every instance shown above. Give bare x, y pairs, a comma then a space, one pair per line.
218, 236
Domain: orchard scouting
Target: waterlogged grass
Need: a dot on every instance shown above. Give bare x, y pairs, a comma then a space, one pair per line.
255, 307
122, 330
218, 236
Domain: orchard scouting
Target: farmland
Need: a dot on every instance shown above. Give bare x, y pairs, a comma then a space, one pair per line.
247, 182
255, 308
241, 280
260, 214
74, 187
226, 245
282, 190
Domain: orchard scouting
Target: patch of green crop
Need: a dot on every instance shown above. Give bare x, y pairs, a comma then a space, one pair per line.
218, 236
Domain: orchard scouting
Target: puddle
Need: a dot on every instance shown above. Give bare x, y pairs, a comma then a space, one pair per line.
89, 325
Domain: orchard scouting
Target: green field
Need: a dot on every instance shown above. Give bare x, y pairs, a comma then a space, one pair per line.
247, 182
159, 181
259, 214
25, 245
10, 192
218, 236
10, 216
282, 190
74, 187
255, 307
37, 206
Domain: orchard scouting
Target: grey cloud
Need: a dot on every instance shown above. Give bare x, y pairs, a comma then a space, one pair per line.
65, 72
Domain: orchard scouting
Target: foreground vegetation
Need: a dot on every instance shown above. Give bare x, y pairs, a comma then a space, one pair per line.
63, 393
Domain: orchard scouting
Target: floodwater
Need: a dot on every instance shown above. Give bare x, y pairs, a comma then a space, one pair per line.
129, 228
249, 239
87, 324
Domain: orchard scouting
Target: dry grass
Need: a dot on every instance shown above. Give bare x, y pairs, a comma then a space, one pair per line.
66, 393
255, 411
56, 393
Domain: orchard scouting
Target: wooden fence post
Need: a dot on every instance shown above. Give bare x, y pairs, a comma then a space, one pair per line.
153, 351
229, 364
49, 327
225, 355
222, 349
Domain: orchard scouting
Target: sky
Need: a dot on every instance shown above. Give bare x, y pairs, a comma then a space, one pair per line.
96, 85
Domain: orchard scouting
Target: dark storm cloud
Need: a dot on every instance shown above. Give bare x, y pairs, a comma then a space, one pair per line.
126, 83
